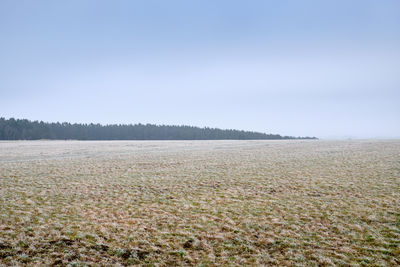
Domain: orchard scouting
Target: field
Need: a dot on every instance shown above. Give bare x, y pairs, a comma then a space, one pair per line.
201, 203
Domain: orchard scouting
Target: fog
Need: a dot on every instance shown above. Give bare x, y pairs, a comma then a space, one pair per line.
330, 70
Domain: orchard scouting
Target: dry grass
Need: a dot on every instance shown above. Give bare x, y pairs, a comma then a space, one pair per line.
204, 203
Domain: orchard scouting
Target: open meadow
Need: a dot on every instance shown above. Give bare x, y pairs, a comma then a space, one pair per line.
201, 203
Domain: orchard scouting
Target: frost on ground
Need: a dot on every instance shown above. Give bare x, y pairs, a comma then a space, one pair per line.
204, 203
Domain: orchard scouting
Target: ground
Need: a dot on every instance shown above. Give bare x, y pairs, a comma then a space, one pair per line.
201, 203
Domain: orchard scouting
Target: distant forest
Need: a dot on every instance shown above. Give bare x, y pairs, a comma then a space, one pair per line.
22, 129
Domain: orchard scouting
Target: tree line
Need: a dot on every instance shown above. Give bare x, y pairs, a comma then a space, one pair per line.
22, 129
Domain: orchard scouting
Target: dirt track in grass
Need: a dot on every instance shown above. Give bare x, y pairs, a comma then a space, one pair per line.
204, 203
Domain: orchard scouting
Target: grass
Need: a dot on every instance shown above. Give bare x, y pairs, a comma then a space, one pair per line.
200, 203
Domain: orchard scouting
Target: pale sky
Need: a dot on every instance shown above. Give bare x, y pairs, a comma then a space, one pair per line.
329, 69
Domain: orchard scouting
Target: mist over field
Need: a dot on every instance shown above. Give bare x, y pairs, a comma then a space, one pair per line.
199, 133
296, 68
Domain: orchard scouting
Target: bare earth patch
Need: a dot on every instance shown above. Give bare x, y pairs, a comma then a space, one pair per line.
300, 203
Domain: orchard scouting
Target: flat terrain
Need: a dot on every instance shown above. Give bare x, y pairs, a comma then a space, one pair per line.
207, 203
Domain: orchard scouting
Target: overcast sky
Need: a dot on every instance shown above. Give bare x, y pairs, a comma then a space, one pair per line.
320, 68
